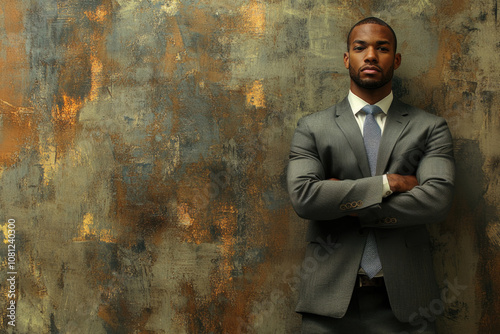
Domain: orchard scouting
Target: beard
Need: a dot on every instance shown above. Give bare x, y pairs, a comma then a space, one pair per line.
371, 83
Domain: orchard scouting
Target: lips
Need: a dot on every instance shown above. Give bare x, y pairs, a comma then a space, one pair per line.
370, 69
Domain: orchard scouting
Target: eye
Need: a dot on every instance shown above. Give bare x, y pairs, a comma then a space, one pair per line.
383, 49
358, 48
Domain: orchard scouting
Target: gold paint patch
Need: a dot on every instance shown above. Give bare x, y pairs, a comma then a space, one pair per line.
255, 95
254, 17
89, 232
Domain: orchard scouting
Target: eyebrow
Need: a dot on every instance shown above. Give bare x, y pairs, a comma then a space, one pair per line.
384, 42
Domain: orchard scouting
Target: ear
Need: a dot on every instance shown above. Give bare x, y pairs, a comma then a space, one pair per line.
346, 60
397, 60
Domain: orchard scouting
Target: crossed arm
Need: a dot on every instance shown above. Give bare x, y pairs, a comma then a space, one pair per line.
417, 199
398, 183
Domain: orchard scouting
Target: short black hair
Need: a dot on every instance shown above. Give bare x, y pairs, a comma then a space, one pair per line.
373, 20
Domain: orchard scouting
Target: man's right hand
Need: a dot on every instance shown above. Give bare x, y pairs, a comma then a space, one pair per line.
401, 183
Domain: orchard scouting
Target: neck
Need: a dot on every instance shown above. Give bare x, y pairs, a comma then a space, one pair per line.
371, 96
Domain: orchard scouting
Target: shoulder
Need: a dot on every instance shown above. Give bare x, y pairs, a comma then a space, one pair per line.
415, 113
327, 115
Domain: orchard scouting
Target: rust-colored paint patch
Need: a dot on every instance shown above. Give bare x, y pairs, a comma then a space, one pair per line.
175, 52
453, 8
82, 76
13, 60
99, 14
18, 130
17, 122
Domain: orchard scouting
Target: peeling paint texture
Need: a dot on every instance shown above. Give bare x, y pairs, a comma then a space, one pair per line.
144, 144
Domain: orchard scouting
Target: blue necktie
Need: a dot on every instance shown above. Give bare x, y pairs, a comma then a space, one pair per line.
370, 262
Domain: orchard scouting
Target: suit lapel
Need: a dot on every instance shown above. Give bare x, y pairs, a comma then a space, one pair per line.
397, 119
347, 123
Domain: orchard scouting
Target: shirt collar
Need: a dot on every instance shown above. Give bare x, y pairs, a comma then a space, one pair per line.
357, 103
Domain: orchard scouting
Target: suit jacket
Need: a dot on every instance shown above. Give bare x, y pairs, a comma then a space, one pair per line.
329, 144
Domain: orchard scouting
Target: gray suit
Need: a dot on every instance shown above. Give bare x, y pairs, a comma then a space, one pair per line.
329, 144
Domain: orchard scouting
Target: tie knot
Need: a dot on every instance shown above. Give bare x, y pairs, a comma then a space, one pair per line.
371, 109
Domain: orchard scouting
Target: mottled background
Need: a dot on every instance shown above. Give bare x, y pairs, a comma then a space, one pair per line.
144, 144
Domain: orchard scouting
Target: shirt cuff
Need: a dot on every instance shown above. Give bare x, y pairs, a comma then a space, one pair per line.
386, 189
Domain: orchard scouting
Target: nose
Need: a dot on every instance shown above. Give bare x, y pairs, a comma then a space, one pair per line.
371, 55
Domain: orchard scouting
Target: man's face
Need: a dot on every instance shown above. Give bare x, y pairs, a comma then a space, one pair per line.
371, 58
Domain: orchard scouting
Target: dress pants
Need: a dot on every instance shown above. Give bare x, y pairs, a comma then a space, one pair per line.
369, 312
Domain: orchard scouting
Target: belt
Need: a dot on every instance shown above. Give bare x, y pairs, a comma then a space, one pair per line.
365, 281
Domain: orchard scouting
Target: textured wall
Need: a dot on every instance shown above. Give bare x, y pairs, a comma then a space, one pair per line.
143, 150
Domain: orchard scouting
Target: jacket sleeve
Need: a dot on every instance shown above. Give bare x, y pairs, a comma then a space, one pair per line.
315, 198
431, 200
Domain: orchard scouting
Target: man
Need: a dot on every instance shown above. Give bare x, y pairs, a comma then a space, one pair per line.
369, 178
